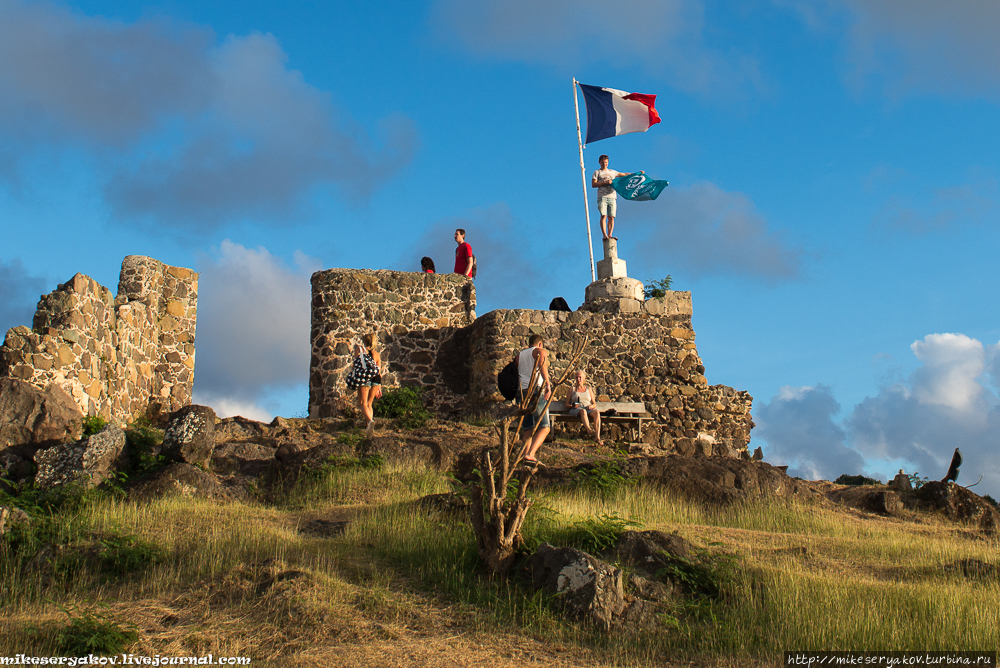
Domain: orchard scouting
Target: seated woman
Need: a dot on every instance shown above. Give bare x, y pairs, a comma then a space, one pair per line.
426, 265
581, 402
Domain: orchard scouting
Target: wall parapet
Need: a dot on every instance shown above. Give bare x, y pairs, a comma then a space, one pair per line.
419, 318
117, 357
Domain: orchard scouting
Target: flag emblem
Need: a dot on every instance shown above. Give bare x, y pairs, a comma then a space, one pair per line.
612, 112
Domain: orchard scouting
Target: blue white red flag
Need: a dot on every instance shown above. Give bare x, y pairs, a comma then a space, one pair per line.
612, 112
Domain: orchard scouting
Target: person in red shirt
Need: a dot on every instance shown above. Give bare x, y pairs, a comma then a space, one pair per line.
463, 255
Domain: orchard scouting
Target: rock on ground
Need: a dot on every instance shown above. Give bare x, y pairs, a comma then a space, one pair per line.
190, 436
89, 462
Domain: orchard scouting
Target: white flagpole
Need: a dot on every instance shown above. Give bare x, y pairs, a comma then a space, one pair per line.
583, 176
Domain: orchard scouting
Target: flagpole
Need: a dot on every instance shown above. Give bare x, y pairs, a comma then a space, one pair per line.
583, 177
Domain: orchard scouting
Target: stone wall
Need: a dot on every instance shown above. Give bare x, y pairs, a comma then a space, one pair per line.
118, 357
430, 336
646, 356
421, 322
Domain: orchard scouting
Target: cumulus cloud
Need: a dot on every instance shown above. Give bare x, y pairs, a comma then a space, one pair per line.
194, 133
666, 37
517, 266
798, 425
19, 293
709, 231
253, 327
946, 403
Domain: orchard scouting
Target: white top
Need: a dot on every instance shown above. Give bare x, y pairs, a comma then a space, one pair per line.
582, 398
604, 175
525, 363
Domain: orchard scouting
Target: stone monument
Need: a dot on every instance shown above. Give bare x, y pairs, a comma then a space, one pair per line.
613, 290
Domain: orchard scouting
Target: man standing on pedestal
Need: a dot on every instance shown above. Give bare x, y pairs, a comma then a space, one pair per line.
607, 198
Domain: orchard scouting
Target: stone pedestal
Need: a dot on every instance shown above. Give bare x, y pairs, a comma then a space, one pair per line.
611, 266
613, 291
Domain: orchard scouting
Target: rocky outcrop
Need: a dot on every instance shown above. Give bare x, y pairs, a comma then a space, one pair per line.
33, 418
190, 436
959, 505
88, 462
587, 588
179, 479
650, 551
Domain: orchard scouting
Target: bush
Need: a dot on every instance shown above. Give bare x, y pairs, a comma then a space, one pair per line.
856, 480
143, 440
93, 424
405, 405
702, 575
90, 631
596, 534
657, 289
603, 479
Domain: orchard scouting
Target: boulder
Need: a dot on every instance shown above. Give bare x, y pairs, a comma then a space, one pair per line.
31, 418
89, 462
650, 551
190, 436
180, 479
9, 516
959, 504
587, 588
883, 502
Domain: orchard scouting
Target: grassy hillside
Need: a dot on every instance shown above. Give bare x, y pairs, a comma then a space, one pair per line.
401, 585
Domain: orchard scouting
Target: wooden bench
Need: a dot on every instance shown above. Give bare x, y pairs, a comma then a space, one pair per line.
631, 414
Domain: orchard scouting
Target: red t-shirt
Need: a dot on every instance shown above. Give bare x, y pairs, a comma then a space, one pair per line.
462, 255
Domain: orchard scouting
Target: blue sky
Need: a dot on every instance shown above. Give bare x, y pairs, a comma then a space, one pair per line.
833, 204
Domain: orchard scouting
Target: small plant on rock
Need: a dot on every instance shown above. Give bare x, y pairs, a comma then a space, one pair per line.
657, 289
405, 405
93, 424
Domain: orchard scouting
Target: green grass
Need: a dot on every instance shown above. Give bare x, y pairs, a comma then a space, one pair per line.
762, 578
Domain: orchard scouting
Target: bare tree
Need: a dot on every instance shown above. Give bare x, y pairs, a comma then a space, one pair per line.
500, 497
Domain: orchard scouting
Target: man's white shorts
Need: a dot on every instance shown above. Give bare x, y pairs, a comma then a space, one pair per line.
607, 205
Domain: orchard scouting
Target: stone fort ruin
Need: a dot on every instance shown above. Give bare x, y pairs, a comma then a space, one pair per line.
117, 356
639, 350
125, 356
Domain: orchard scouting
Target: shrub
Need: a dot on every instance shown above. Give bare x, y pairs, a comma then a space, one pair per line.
657, 289
917, 480
856, 480
93, 424
143, 439
603, 479
702, 576
596, 534
405, 405
92, 631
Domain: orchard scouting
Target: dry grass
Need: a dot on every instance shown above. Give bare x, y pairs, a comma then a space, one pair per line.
401, 587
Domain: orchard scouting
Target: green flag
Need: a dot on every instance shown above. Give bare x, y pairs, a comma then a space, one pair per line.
638, 187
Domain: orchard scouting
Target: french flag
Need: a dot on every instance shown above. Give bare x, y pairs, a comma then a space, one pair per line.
612, 112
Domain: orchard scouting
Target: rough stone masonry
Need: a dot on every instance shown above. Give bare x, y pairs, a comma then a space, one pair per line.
118, 357
639, 350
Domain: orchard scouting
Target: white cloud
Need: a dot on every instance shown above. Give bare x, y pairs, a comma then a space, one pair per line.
944, 404
191, 133
798, 425
708, 231
253, 324
19, 293
664, 37
952, 365
227, 407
